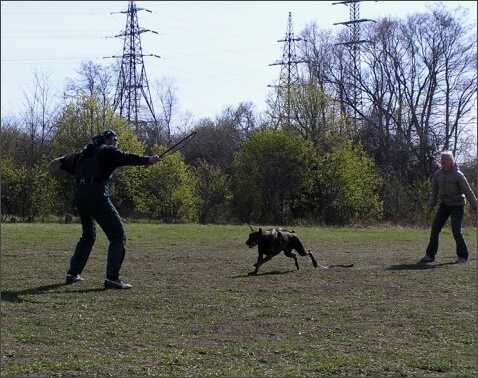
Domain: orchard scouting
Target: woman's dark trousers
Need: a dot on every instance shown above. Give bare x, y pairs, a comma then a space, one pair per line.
455, 213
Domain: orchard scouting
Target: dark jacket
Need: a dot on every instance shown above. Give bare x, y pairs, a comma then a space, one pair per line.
100, 162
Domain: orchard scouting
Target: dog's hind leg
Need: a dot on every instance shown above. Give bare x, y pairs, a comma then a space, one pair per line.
292, 255
299, 247
314, 261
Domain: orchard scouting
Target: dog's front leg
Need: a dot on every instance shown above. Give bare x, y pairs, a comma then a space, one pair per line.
260, 261
257, 264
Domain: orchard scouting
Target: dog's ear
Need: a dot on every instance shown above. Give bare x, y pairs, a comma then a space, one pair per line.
260, 230
252, 230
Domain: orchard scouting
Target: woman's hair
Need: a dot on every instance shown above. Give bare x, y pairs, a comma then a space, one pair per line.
447, 155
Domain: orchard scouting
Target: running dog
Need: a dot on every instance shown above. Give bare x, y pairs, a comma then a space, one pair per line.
272, 242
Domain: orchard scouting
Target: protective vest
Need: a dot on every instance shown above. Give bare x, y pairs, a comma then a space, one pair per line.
88, 166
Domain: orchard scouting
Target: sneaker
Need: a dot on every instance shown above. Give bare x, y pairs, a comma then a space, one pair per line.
116, 284
427, 259
461, 260
72, 278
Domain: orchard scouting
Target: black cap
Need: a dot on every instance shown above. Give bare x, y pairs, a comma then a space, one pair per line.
101, 137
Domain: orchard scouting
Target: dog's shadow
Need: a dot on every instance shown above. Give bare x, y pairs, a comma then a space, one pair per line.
15, 296
418, 266
271, 273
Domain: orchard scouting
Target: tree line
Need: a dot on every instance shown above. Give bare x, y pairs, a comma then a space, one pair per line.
317, 155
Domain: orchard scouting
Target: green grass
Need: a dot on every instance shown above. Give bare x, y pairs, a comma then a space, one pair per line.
194, 311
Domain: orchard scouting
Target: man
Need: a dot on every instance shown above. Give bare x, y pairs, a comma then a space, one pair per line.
91, 196
450, 186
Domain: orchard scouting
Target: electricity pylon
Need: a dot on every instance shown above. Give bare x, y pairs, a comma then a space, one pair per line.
132, 86
353, 44
289, 76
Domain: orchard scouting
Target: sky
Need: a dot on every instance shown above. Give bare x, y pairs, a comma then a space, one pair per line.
216, 54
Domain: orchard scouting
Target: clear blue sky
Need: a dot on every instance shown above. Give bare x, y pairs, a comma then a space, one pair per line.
217, 53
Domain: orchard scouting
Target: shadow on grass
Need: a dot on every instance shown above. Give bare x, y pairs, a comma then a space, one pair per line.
274, 272
418, 266
16, 296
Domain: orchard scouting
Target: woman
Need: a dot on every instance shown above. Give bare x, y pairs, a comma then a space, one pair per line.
450, 186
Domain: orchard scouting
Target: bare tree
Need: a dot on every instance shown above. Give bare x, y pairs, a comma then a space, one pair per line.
164, 129
317, 49
166, 92
39, 116
94, 81
420, 87
218, 140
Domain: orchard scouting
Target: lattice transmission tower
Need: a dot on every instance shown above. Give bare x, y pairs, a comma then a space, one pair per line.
353, 44
289, 76
132, 89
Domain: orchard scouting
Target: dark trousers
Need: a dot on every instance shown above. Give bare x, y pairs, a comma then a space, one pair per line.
455, 213
94, 206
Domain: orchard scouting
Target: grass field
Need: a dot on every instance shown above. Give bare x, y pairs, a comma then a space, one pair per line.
194, 312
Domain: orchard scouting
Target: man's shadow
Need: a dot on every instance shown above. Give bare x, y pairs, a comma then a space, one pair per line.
15, 296
418, 266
